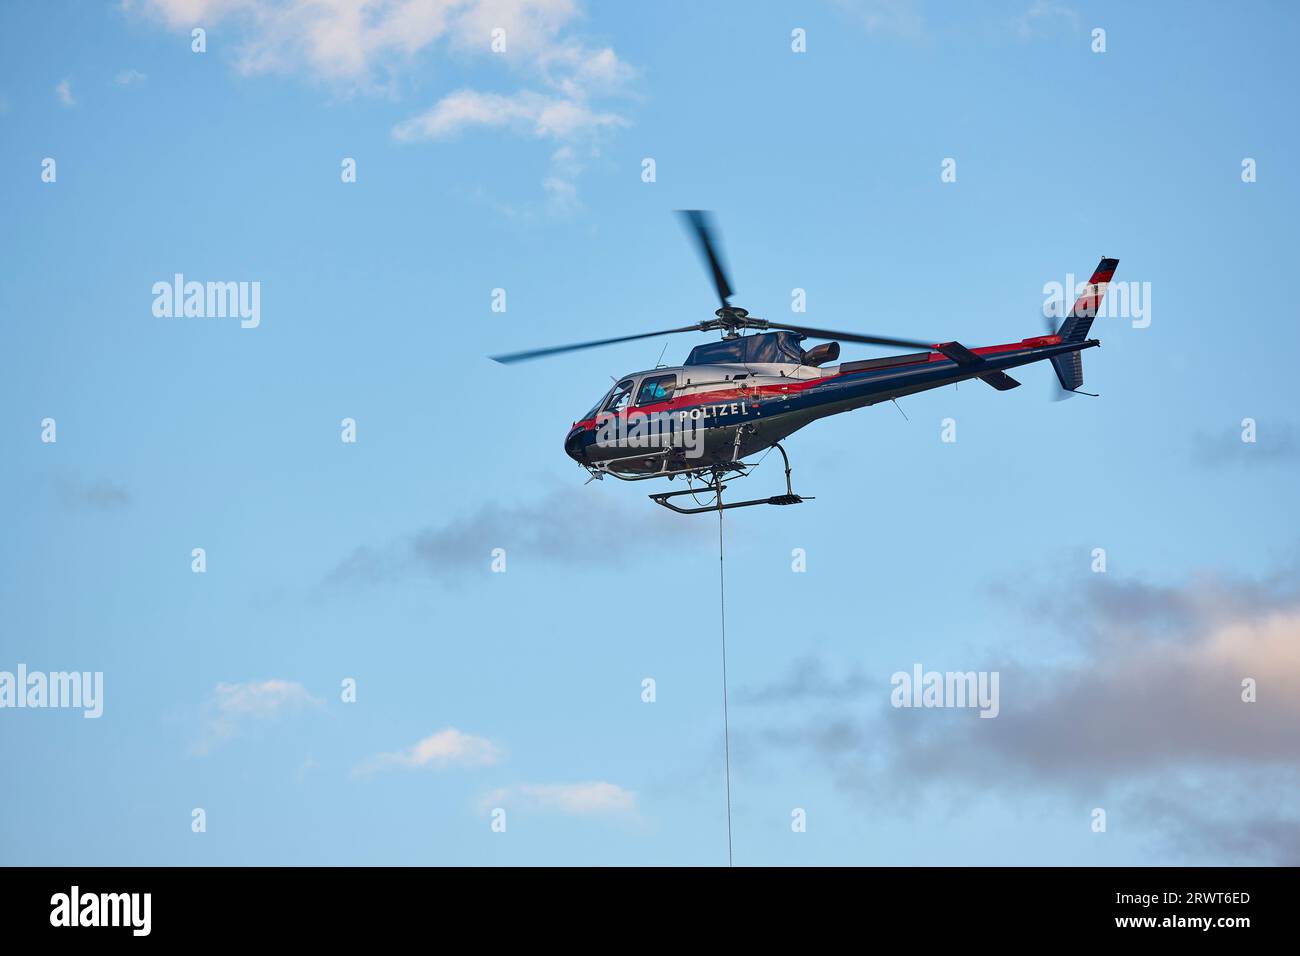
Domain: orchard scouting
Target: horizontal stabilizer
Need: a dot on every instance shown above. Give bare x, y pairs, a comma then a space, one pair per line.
960, 354
1000, 380
967, 359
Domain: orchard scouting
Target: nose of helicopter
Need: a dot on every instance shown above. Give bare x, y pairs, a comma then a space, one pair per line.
573, 445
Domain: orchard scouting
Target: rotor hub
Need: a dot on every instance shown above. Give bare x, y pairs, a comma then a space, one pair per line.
731, 319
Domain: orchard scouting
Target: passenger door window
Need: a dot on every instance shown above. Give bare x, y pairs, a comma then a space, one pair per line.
656, 388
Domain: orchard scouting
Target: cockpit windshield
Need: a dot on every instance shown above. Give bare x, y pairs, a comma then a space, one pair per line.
612, 400
622, 392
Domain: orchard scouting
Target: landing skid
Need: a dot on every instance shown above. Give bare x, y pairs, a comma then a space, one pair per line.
716, 486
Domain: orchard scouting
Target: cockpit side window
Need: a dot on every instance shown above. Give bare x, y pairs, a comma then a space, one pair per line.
656, 388
619, 399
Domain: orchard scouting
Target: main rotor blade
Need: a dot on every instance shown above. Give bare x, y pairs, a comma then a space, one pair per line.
556, 350
701, 225
854, 337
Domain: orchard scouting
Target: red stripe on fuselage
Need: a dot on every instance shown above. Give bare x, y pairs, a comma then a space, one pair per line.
725, 396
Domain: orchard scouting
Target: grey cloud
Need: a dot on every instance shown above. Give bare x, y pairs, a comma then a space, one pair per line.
808, 678
1275, 442
1108, 612
1152, 694
99, 494
1241, 821
573, 526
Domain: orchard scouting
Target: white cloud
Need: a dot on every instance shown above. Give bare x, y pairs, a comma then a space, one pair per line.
129, 78
261, 699
339, 40
64, 92
1046, 15
574, 77
538, 115
595, 798
446, 748
900, 18
368, 45
233, 705
350, 41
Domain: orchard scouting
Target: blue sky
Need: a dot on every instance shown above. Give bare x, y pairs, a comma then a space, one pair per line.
522, 170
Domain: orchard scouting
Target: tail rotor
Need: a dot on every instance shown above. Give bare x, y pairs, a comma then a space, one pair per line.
1051, 319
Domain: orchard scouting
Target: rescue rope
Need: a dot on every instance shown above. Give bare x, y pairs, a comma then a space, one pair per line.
726, 721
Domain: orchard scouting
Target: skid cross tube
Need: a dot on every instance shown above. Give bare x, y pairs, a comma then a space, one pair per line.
717, 486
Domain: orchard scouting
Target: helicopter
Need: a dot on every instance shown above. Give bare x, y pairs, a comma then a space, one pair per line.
734, 398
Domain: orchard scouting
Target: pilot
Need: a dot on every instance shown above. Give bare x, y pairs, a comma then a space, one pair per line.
652, 391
